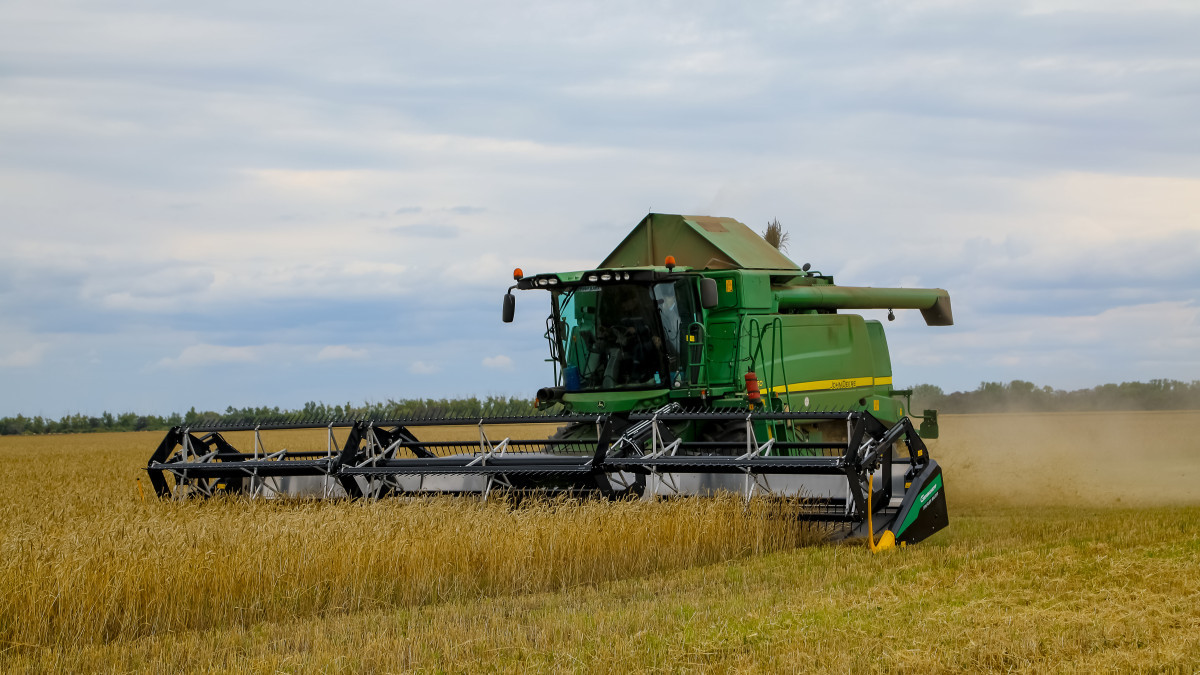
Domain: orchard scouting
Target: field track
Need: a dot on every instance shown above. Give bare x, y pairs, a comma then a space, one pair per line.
1074, 546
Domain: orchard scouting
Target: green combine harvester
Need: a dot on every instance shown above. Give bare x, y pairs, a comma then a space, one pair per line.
696, 359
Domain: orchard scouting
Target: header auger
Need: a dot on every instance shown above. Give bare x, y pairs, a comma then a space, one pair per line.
725, 368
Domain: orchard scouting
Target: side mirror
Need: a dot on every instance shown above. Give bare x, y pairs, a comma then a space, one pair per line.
510, 307
708, 293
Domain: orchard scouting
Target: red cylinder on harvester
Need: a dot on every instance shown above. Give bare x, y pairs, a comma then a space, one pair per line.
752, 393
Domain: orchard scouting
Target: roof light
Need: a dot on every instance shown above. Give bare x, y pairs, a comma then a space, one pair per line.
553, 281
592, 278
605, 277
670, 262
518, 274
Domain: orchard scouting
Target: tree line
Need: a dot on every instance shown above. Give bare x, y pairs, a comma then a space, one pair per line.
312, 411
1015, 396
1022, 396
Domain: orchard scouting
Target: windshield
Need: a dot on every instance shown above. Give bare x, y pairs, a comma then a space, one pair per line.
621, 336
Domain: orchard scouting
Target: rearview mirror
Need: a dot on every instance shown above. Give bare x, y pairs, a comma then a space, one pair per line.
708, 293
510, 307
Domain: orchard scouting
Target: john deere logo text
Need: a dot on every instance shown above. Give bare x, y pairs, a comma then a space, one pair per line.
841, 384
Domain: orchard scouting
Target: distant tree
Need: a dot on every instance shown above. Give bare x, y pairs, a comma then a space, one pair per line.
927, 396
1022, 396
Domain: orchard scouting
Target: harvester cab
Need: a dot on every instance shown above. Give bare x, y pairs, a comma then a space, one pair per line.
619, 331
695, 359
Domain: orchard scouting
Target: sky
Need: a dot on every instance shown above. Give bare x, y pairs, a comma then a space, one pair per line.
267, 203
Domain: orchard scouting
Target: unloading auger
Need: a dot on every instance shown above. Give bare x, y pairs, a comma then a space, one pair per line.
725, 369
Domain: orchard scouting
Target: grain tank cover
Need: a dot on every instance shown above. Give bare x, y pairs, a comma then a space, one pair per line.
699, 242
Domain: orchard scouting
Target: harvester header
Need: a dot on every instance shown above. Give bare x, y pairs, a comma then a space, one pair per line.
696, 358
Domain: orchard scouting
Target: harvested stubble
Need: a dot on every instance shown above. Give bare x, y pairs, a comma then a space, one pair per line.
114, 567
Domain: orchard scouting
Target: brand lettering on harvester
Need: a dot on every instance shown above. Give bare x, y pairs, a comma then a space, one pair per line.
924, 497
819, 385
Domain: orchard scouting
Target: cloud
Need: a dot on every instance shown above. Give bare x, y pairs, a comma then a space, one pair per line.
1136, 342
340, 353
374, 269
498, 362
433, 231
1038, 161
23, 358
206, 354
423, 368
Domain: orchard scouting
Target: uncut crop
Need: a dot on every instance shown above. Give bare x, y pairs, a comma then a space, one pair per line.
88, 559
1072, 547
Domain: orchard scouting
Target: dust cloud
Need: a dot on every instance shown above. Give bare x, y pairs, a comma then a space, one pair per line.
1082, 459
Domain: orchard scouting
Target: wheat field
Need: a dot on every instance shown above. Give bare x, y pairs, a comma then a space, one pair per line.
1073, 546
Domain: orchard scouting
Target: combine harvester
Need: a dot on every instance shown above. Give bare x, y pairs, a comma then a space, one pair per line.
695, 359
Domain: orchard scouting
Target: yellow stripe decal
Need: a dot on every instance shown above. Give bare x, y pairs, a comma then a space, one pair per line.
819, 385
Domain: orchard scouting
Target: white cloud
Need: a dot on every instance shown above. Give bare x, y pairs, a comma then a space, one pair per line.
1041, 167
1136, 342
205, 354
23, 358
340, 352
423, 368
498, 362
1115, 6
1098, 210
